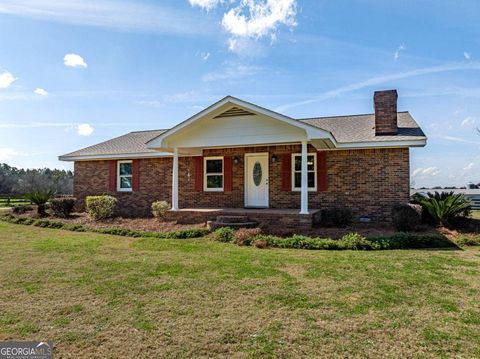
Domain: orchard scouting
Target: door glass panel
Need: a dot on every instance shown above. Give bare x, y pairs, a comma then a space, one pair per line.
257, 173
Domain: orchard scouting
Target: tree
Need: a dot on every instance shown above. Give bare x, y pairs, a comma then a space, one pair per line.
14, 181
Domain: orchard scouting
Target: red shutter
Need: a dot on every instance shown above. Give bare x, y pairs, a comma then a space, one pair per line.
199, 174
227, 174
135, 175
287, 172
112, 178
322, 175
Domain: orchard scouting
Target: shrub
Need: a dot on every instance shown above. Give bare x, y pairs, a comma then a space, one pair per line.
260, 243
354, 241
21, 209
468, 241
40, 198
62, 207
159, 209
245, 236
336, 217
101, 207
444, 207
45, 223
224, 234
406, 216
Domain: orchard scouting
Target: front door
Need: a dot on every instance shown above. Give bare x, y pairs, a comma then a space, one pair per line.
256, 180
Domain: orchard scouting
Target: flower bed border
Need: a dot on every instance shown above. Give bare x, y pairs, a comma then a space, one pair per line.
351, 241
46, 223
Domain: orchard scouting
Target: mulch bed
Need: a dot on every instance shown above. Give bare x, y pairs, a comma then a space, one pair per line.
471, 227
138, 224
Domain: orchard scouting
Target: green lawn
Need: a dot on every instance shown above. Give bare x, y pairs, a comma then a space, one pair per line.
106, 296
13, 202
476, 214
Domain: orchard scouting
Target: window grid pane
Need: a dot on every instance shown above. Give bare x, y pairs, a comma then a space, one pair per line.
214, 181
297, 180
125, 169
214, 166
126, 182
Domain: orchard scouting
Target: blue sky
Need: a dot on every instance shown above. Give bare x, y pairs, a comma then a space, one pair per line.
74, 73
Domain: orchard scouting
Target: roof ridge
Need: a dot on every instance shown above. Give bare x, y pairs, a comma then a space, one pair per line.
355, 115
160, 129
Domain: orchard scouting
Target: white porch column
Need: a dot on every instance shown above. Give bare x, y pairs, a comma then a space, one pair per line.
304, 190
175, 180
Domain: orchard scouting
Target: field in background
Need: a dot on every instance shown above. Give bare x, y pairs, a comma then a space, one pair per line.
12, 202
108, 296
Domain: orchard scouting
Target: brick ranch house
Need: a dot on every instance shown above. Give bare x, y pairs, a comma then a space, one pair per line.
236, 157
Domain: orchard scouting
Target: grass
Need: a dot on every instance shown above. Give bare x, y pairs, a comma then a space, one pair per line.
13, 202
476, 214
97, 295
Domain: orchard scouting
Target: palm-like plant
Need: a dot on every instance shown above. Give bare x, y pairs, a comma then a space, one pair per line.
445, 206
40, 198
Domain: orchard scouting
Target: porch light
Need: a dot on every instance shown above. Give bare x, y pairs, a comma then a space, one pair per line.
236, 160
274, 158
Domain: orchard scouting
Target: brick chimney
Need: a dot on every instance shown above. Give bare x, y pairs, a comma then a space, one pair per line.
385, 112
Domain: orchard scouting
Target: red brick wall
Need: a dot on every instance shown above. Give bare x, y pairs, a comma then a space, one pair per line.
367, 181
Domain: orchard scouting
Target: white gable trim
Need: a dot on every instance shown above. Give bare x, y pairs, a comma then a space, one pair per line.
310, 131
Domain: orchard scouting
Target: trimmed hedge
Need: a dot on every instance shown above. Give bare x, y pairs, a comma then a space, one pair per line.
45, 223
355, 241
62, 207
351, 241
100, 207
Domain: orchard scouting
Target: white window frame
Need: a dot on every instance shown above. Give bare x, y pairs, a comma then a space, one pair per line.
205, 175
310, 189
119, 189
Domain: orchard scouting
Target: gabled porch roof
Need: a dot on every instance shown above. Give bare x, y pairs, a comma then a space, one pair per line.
232, 122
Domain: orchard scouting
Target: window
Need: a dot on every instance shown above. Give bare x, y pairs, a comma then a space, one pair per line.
124, 176
213, 179
297, 171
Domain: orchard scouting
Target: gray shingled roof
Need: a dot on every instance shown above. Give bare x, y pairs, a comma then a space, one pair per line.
345, 129
131, 143
361, 128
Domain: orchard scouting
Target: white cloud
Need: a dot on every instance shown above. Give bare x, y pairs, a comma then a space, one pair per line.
7, 153
151, 103
74, 60
205, 56
231, 72
469, 166
468, 121
382, 79
458, 139
84, 129
40, 91
246, 47
120, 15
255, 19
6, 79
466, 55
423, 173
396, 56
205, 4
